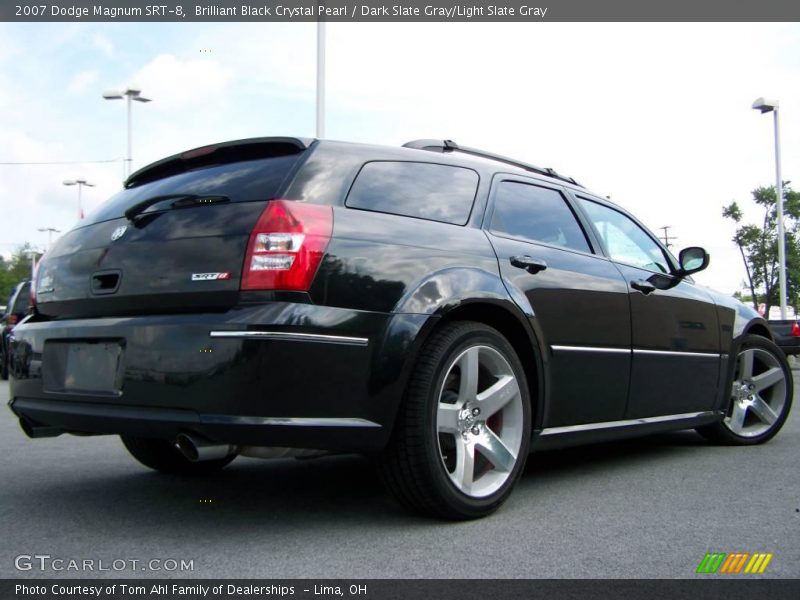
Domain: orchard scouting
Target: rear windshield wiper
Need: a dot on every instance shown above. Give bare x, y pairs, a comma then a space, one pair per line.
178, 201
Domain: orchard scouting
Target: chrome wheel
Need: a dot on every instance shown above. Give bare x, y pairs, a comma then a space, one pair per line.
479, 421
758, 395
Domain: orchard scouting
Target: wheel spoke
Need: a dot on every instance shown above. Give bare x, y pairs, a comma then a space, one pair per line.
758, 394
768, 378
465, 464
746, 364
497, 396
763, 411
468, 364
496, 452
478, 460
737, 417
447, 418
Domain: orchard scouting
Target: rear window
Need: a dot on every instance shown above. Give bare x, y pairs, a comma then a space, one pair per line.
422, 190
240, 181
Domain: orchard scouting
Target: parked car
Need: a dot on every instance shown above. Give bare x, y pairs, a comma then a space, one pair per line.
787, 335
13, 313
443, 308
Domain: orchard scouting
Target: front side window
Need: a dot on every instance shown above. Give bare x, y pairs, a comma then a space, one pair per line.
421, 190
536, 214
625, 241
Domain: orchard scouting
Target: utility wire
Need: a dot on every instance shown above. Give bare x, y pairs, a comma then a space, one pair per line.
63, 162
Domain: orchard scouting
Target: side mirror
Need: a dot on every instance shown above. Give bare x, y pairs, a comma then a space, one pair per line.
692, 260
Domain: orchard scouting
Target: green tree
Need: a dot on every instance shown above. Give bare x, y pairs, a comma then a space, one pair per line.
15, 270
758, 245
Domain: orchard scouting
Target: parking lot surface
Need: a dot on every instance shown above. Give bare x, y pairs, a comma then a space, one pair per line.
647, 508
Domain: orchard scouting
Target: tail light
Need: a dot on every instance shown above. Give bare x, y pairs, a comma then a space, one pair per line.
286, 246
795, 329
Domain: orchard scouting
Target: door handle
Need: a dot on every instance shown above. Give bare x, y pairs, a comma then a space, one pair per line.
531, 265
643, 286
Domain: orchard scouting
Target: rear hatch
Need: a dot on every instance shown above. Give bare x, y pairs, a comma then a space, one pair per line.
174, 240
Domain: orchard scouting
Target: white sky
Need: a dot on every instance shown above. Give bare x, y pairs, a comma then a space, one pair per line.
655, 115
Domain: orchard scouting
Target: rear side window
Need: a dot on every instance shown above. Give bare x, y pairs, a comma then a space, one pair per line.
241, 181
423, 190
536, 214
22, 300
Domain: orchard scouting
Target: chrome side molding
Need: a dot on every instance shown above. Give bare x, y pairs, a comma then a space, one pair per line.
290, 336
625, 423
591, 349
635, 351
676, 353
289, 421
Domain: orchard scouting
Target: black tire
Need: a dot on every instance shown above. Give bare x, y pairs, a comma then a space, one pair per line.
162, 455
414, 466
768, 357
3, 364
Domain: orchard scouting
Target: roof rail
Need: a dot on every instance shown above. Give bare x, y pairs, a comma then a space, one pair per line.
451, 146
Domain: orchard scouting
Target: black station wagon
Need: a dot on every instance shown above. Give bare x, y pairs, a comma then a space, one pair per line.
442, 308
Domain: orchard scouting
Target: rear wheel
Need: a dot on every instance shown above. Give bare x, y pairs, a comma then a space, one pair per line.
760, 395
463, 432
3, 362
163, 456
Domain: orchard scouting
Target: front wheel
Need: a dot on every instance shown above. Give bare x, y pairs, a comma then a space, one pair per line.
463, 432
760, 395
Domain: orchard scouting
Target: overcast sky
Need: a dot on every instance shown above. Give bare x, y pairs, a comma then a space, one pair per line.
657, 116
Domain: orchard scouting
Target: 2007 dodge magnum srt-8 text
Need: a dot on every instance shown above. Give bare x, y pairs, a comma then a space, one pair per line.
446, 309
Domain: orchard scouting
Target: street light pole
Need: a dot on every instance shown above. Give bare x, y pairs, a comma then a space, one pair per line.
80, 183
50, 231
765, 106
32, 254
130, 95
129, 161
320, 79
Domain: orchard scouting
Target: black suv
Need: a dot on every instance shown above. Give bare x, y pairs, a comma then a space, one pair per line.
443, 308
17, 308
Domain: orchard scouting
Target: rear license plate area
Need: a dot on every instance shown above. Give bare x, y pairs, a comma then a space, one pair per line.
93, 367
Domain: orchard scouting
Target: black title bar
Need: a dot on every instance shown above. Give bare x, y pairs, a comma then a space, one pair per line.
704, 588
399, 11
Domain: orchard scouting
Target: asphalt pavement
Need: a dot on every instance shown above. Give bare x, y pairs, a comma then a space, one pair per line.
647, 508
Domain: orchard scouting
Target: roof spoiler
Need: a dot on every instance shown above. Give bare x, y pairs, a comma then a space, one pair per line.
451, 146
217, 154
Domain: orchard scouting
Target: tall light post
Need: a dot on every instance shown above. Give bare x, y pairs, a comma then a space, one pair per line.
764, 105
34, 256
80, 183
320, 79
131, 94
50, 231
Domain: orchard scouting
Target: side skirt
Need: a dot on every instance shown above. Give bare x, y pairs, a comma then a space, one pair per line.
590, 433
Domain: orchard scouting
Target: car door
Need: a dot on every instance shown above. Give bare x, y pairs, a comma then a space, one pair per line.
579, 300
675, 329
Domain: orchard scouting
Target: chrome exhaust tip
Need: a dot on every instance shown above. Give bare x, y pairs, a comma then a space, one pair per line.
197, 449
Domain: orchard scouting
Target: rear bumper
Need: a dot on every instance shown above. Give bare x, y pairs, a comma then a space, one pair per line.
277, 374
47, 418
